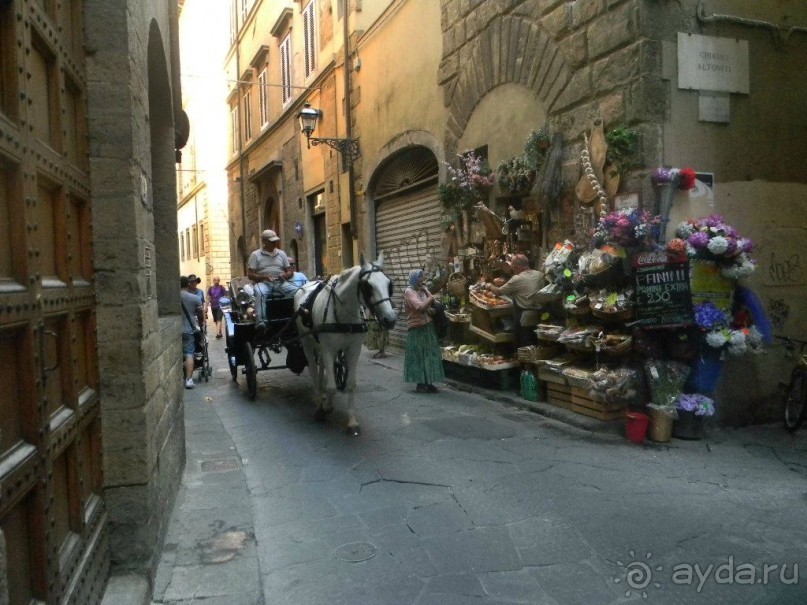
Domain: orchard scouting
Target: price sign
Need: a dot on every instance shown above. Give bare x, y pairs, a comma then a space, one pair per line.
663, 297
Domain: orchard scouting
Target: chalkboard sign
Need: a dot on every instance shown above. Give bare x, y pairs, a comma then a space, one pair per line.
663, 298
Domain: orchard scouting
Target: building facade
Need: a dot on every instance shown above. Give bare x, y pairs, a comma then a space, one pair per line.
92, 437
481, 76
497, 70
283, 55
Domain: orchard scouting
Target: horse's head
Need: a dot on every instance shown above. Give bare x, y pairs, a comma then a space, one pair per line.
376, 290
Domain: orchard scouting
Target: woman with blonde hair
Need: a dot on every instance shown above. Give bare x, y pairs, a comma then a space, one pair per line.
423, 363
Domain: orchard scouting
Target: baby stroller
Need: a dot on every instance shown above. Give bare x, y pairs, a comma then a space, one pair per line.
201, 360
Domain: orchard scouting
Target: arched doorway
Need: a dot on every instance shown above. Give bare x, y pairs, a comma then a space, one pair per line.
407, 220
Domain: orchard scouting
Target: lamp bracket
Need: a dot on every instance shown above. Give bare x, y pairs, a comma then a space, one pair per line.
349, 148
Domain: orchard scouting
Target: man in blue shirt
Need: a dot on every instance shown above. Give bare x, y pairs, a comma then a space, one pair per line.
298, 279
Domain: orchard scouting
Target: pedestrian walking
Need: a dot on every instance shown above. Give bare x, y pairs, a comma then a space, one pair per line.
214, 294
191, 311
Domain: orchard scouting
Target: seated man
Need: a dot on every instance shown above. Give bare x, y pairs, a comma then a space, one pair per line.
298, 279
269, 268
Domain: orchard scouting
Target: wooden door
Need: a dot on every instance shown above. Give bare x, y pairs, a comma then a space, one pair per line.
52, 514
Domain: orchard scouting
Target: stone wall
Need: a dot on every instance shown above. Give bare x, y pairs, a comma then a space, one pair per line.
582, 60
130, 104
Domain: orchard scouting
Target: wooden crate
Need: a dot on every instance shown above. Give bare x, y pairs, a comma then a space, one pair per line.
559, 395
549, 376
583, 403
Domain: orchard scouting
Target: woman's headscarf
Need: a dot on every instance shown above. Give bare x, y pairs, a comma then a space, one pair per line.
414, 277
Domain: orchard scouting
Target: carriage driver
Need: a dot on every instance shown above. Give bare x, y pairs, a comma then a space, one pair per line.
271, 271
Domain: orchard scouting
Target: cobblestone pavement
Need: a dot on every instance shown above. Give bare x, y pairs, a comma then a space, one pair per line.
455, 498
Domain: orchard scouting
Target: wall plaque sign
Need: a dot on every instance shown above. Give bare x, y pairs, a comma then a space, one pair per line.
710, 63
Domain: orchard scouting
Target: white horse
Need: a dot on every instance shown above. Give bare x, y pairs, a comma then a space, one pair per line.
337, 329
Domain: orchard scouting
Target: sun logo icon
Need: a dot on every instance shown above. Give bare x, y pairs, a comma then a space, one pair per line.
638, 575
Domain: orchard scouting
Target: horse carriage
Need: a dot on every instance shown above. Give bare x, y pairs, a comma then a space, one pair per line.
321, 326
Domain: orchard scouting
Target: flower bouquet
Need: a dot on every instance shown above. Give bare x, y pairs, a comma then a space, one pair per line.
629, 228
468, 183
712, 239
698, 404
693, 410
723, 333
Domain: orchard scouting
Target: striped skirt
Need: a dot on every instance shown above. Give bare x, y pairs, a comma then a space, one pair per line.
423, 363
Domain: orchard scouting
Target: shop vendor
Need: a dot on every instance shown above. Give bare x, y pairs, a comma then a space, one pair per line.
522, 288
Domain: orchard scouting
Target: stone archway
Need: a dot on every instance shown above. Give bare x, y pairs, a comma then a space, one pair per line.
511, 49
163, 174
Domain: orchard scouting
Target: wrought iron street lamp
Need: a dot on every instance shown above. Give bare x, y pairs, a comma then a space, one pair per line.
349, 148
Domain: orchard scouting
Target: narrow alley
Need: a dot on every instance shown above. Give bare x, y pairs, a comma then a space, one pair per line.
452, 498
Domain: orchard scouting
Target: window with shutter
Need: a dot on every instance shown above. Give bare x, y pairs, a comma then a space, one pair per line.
234, 130
285, 69
248, 116
310, 38
263, 98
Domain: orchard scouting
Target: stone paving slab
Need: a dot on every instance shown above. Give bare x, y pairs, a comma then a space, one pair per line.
465, 498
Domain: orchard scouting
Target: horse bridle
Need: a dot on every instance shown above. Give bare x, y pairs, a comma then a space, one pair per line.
366, 290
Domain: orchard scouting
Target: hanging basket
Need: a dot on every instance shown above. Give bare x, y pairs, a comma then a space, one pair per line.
457, 285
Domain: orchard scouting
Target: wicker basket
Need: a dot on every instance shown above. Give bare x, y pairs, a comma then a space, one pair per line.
577, 312
548, 297
619, 350
525, 354
622, 315
542, 352
548, 332
457, 285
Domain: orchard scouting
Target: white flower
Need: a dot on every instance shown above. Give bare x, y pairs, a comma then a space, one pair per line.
718, 245
742, 267
716, 338
737, 349
684, 230
754, 338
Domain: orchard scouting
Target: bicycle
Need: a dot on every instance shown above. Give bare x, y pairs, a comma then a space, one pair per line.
795, 398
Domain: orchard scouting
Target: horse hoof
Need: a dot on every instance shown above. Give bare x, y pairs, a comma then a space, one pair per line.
320, 415
353, 431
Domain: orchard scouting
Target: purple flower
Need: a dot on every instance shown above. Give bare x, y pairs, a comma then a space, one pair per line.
699, 240
700, 404
661, 175
708, 316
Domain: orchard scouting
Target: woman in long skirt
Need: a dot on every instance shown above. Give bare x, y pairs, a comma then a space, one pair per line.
423, 363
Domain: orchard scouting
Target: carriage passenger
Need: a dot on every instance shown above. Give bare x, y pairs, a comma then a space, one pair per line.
298, 279
269, 268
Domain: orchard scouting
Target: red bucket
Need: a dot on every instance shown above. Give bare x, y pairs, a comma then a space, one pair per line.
636, 426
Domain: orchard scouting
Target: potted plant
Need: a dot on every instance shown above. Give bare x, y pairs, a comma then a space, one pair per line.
693, 412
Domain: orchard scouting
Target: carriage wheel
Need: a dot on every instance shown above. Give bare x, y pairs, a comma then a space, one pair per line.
340, 370
250, 370
207, 371
231, 359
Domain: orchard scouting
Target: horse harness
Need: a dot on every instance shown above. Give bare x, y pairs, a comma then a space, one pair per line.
364, 291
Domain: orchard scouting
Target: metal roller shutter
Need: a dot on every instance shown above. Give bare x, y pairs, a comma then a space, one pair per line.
408, 232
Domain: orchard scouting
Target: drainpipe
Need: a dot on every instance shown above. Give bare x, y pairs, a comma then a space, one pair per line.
351, 191
241, 180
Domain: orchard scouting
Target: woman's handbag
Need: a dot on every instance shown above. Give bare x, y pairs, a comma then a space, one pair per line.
440, 319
